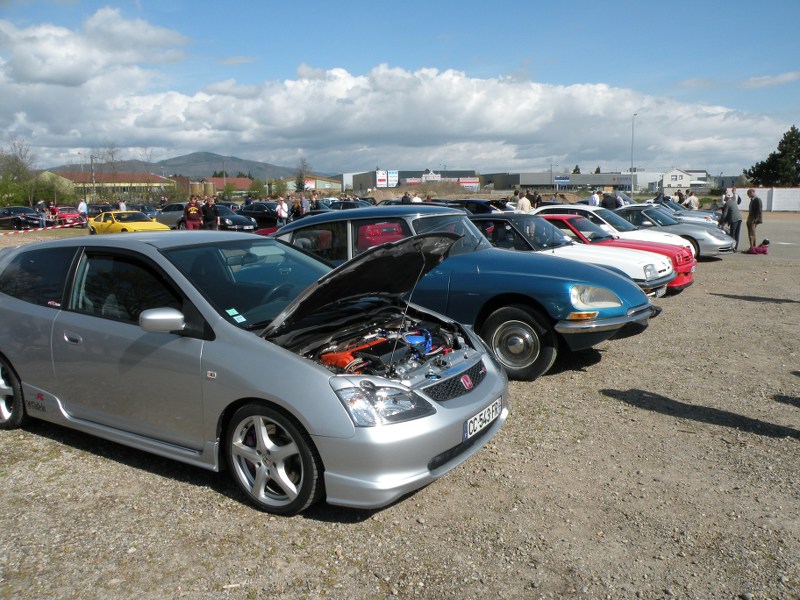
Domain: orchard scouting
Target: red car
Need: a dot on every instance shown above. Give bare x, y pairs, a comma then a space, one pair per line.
67, 215
584, 231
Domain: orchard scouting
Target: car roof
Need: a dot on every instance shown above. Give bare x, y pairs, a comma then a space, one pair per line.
374, 212
156, 239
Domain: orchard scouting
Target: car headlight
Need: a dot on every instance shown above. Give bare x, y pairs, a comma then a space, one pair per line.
228, 222
371, 405
253, 220
650, 272
589, 297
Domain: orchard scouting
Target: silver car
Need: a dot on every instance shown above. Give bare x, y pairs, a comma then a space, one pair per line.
706, 241
223, 349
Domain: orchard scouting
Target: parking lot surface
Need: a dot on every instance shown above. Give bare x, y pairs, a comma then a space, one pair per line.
663, 465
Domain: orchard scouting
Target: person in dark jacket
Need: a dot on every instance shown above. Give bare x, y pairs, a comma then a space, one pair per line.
608, 201
753, 216
731, 217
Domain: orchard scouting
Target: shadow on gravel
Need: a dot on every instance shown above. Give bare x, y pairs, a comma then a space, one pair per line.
757, 298
713, 416
790, 400
137, 459
579, 360
171, 469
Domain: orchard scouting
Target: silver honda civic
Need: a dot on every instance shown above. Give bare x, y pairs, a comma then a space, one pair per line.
238, 352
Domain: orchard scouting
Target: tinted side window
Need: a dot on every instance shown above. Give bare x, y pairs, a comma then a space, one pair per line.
38, 276
120, 287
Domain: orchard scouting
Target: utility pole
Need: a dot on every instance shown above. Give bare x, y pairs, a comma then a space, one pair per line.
92, 157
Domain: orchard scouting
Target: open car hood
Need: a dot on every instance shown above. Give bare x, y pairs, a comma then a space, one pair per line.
391, 269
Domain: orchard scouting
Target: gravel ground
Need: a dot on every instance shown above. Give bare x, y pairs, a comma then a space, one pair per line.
660, 466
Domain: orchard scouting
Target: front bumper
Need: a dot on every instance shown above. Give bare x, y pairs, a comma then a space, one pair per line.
379, 465
580, 335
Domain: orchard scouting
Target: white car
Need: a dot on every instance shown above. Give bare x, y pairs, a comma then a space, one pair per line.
516, 231
614, 224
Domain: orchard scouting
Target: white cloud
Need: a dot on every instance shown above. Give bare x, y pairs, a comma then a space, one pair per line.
66, 91
771, 80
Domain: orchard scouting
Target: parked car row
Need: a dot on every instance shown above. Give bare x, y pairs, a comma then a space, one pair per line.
354, 355
240, 352
527, 306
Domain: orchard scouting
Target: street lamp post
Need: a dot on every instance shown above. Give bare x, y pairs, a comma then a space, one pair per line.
633, 120
83, 183
94, 183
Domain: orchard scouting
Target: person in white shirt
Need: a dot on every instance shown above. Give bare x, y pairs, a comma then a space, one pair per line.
416, 198
282, 211
523, 204
692, 203
594, 200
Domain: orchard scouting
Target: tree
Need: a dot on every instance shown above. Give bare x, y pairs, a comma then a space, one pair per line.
782, 167
576, 170
257, 189
597, 170
303, 169
16, 172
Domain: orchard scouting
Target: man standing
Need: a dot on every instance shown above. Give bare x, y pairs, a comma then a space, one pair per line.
210, 214
523, 204
733, 218
83, 211
282, 211
192, 214
692, 203
594, 199
608, 201
753, 216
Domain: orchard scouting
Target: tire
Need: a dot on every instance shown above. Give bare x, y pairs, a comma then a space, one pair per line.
522, 340
92, 230
12, 404
180, 225
123, 231
273, 460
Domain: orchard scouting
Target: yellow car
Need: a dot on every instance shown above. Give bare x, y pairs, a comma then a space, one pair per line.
122, 221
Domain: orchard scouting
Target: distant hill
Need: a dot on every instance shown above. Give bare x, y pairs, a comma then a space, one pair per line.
195, 166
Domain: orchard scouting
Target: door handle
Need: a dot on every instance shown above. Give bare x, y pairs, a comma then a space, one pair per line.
72, 338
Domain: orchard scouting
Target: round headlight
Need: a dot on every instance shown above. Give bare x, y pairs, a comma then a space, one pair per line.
586, 297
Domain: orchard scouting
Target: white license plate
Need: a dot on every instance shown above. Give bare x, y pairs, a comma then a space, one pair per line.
247, 227
661, 291
693, 268
483, 419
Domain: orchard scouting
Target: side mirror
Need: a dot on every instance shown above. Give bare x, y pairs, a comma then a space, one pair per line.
161, 320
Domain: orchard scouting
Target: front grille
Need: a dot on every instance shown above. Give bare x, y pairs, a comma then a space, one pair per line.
454, 387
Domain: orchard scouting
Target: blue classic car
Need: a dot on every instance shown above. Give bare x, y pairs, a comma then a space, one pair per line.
524, 305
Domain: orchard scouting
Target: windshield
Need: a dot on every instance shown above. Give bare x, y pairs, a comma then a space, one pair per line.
615, 220
659, 216
224, 211
590, 231
132, 217
471, 241
673, 205
543, 234
248, 282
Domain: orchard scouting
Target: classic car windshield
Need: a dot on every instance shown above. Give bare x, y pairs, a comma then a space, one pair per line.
542, 234
590, 231
471, 241
615, 220
249, 282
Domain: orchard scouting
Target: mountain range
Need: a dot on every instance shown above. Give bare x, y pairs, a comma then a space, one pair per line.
196, 165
